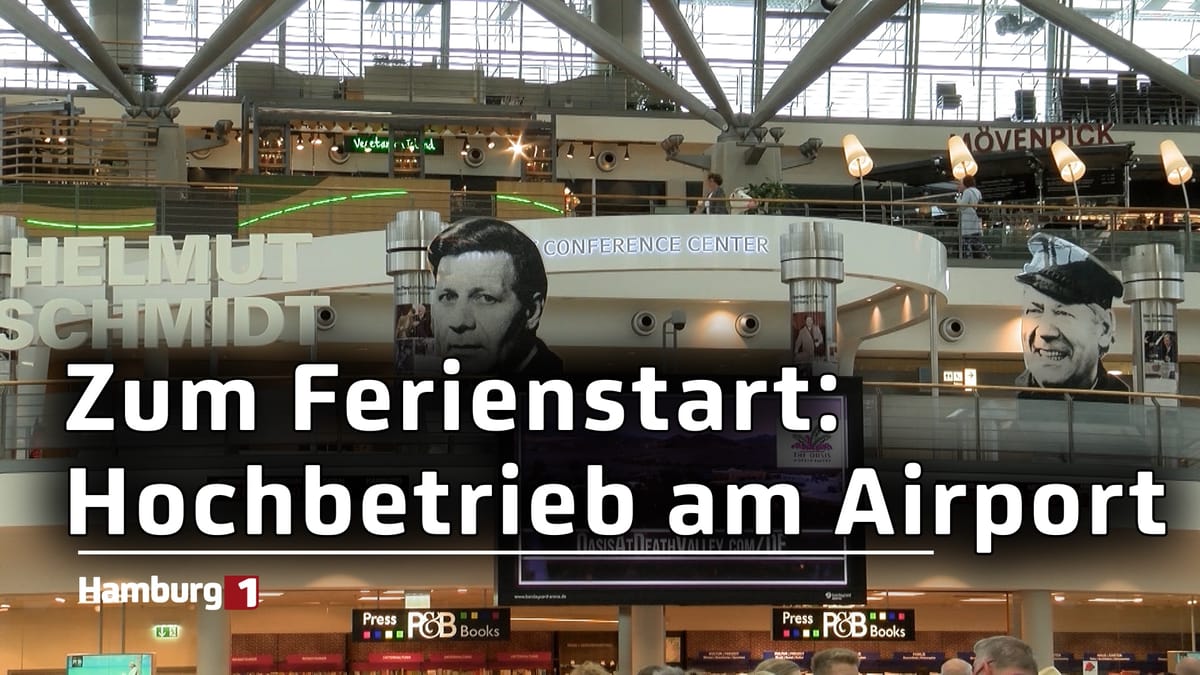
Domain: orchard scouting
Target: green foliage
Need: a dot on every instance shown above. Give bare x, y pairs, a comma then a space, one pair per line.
643, 97
768, 196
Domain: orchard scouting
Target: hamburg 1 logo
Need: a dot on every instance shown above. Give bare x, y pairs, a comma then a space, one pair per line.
235, 592
828, 624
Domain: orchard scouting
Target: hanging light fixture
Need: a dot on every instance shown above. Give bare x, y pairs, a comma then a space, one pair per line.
571, 151
1070, 169
592, 152
962, 162
859, 164
626, 152
1179, 172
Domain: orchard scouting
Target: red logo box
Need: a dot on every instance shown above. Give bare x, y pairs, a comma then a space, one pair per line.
241, 592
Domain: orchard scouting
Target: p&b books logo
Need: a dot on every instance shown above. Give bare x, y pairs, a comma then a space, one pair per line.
235, 592
430, 624
828, 624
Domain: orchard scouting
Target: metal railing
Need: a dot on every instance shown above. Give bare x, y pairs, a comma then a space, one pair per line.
1043, 426
901, 421
136, 210
541, 81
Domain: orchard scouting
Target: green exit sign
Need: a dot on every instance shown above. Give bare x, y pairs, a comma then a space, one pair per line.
429, 145
169, 631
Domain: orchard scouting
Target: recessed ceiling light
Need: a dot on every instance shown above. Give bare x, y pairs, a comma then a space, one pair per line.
5, 606
462, 590
1115, 600
270, 594
60, 600
903, 594
1059, 598
984, 600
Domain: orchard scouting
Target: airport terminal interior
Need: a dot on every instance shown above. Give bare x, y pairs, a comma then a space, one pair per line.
977, 212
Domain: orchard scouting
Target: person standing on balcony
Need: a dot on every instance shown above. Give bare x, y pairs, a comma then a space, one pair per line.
714, 196
970, 226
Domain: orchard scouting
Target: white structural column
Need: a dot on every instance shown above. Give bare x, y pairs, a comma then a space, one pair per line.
214, 641
118, 24
624, 640
641, 637
1037, 624
621, 19
649, 636
1014, 612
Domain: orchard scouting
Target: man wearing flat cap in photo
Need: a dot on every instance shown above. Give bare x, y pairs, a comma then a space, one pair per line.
1067, 323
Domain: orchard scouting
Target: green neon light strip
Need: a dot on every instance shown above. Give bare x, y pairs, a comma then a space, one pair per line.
68, 226
278, 212
530, 202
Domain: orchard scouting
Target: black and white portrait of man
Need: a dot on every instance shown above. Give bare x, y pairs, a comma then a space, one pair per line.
488, 297
1067, 323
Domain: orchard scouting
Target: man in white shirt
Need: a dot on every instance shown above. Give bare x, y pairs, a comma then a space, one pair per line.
970, 227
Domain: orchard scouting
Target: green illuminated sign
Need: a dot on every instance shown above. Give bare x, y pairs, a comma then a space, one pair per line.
429, 145
167, 631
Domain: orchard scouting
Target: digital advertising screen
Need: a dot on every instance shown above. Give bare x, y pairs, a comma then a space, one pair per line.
110, 664
718, 516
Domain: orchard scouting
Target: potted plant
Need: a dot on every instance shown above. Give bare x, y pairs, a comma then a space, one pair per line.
768, 197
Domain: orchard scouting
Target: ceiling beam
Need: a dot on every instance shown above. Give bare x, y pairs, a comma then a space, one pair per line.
32, 27
78, 27
1117, 47
245, 25
608, 47
838, 41
818, 43
681, 34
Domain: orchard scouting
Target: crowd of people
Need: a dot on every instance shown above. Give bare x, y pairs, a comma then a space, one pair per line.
997, 655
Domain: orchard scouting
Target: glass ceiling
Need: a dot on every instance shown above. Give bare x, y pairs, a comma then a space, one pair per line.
987, 50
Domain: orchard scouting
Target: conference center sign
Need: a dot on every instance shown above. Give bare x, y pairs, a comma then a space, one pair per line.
802, 623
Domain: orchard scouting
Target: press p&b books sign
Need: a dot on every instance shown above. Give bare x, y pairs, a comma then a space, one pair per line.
801, 623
